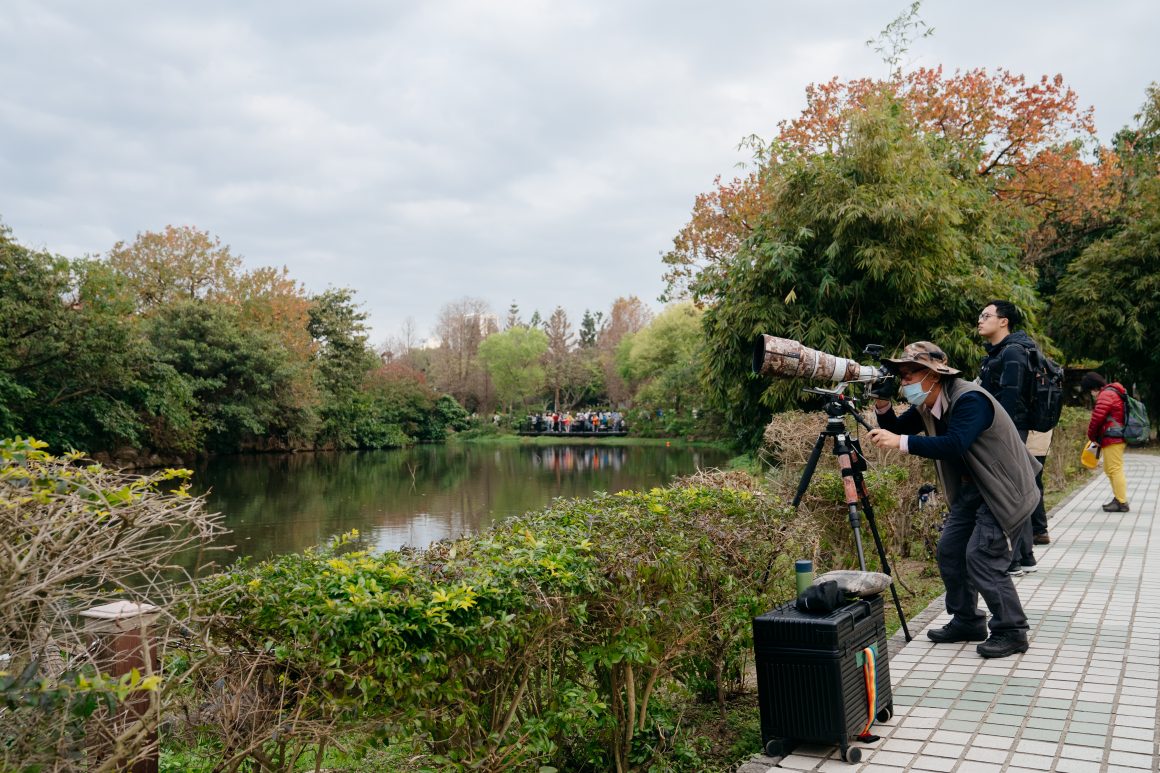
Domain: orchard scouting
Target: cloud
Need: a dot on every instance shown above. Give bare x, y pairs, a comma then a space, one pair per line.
540, 151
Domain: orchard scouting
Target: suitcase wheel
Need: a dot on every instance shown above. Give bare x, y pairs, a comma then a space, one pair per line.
885, 714
852, 754
775, 748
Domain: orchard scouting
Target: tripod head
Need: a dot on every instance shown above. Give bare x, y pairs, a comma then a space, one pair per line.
838, 404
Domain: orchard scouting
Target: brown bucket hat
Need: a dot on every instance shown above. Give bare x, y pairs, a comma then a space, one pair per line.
927, 355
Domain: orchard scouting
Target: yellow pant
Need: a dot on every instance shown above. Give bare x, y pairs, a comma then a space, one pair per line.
1113, 456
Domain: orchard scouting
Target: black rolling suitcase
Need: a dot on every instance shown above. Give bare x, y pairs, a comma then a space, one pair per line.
811, 685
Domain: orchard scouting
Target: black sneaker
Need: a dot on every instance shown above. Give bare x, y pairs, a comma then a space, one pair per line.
955, 631
1029, 564
1003, 643
1115, 506
1016, 569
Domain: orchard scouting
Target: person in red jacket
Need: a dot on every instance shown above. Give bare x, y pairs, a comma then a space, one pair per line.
1108, 412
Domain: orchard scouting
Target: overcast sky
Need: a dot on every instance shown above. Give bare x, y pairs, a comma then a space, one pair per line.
420, 152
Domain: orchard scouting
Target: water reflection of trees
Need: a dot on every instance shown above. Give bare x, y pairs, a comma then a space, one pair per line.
281, 503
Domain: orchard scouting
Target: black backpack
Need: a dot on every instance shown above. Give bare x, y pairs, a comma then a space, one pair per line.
1045, 393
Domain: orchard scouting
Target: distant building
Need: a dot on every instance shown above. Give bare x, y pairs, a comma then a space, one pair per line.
488, 323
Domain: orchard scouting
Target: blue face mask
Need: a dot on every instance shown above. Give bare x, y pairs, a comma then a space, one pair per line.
914, 393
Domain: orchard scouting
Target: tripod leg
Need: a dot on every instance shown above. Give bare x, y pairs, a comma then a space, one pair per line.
845, 464
808, 472
857, 538
869, 510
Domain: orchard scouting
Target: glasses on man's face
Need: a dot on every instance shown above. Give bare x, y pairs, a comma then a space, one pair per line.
910, 375
985, 316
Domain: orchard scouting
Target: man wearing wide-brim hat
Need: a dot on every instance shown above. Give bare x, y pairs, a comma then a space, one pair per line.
988, 477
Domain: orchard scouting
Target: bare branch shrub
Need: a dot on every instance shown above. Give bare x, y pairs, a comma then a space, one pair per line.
77, 535
892, 480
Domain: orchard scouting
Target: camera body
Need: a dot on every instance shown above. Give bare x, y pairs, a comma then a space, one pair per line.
885, 386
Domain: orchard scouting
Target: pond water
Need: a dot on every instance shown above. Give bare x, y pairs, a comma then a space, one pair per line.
281, 503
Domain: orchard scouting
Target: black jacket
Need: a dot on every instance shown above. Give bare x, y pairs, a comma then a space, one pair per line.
1006, 373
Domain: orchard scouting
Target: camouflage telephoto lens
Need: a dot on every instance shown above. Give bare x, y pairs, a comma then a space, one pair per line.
773, 356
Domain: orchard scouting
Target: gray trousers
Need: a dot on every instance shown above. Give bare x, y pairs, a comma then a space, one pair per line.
973, 558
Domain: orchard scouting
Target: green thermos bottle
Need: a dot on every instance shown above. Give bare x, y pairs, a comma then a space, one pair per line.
804, 568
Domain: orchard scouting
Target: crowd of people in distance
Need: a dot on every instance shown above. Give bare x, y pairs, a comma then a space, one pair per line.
582, 421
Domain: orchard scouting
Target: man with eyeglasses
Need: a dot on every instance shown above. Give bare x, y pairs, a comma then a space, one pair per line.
1005, 372
988, 477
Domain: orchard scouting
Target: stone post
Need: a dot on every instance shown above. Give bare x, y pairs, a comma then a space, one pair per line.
121, 642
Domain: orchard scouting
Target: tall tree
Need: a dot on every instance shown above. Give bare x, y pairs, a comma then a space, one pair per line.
1029, 140
401, 347
878, 242
513, 317
69, 357
1108, 303
181, 263
626, 316
455, 368
227, 386
663, 362
573, 375
343, 357
559, 360
514, 360
590, 328
269, 300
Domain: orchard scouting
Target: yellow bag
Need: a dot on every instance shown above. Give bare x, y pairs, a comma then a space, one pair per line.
1090, 457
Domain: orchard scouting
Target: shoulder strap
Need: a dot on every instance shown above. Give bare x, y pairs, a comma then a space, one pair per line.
1123, 393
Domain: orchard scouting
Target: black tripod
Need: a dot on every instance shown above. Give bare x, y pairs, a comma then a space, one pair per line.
852, 465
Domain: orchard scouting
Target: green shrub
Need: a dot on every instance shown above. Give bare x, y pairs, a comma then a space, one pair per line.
447, 642
543, 641
566, 638
481, 430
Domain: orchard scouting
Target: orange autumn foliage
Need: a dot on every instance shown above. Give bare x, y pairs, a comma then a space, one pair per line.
1030, 139
721, 219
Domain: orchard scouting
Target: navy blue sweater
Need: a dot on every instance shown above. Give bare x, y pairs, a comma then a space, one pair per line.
955, 431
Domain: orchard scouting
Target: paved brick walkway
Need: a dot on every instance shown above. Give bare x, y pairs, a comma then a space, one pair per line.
1084, 696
